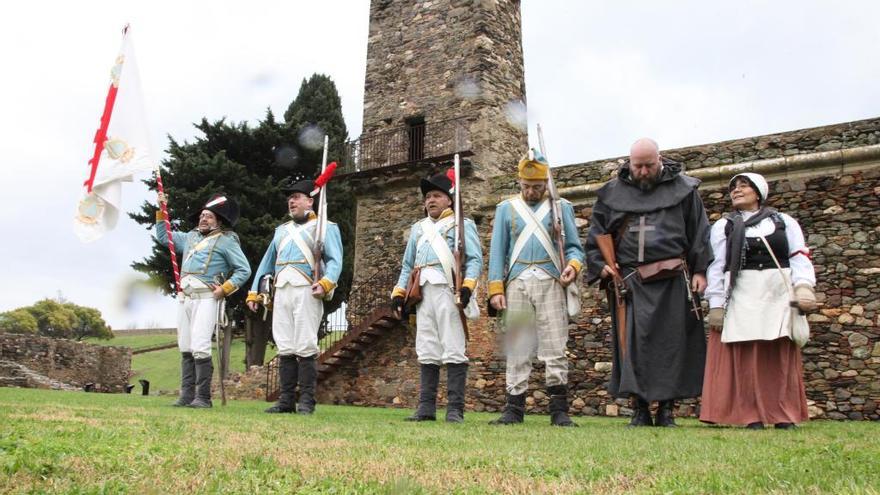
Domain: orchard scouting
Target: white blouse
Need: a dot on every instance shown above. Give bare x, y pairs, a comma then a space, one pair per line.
801, 266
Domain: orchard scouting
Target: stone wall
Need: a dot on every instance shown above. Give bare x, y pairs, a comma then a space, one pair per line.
839, 213
55, 363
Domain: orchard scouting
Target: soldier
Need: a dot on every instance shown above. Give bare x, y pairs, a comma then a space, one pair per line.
213, 268
298, 304
428, 265
527, 284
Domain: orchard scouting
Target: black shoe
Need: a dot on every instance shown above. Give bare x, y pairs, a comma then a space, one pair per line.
456, 379
429, 375
514, 410
187, 380
665, 416
199, 403
559, 406
204, 372
641, 414
785, 426
308, 380
287, 374
757, 425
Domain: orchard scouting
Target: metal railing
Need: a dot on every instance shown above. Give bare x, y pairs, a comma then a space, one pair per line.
425, 142
361, 301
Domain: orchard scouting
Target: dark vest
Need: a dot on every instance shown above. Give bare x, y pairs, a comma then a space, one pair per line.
757, 257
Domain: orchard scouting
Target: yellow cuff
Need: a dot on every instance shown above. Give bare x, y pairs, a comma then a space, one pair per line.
327, 285
496, 287
228, 287
470, 283
161, 216
253, 297
576, 264
398, 292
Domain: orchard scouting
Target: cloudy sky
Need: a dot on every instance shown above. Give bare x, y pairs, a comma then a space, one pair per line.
598, 75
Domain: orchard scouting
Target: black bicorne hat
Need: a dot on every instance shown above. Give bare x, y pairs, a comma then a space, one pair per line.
304, 186
439, 182
224, 207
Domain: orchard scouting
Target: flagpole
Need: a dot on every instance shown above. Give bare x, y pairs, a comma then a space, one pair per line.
163, 205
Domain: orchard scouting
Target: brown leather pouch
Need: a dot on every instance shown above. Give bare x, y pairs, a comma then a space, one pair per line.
413, 294
661, 270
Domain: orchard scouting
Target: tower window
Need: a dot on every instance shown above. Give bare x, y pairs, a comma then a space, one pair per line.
415, 133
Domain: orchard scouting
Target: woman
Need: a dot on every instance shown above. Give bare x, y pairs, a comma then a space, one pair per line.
754, 372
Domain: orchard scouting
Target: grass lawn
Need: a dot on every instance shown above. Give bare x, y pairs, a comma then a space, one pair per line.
73, 442
162, 368
135, 341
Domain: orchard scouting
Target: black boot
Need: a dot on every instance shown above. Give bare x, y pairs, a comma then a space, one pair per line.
514, 410
665, 416
430, 378
187, 380
287, 372
559, 406
204, 372
308, 380
641, 414
456, 379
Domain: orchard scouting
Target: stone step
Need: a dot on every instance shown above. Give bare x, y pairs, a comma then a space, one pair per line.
13, 381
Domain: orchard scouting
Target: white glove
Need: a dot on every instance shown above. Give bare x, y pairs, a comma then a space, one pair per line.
805, 297
716, 318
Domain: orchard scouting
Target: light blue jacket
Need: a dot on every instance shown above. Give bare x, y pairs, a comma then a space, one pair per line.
206, 257
506, 230
424, 255
274, 261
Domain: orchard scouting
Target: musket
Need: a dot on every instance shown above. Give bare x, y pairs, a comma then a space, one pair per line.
606, 246
459, 251
558, 230
327, 171
222, 348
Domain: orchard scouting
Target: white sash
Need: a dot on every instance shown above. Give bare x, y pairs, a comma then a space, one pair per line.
295, 234
199, 246
431, 234
533, 227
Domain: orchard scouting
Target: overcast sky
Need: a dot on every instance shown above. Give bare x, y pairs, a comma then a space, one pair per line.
598, 75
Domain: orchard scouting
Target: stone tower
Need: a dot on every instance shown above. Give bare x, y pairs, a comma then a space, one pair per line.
432, 61
442, 76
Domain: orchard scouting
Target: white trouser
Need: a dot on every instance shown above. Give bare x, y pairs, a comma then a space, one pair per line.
195, 326
439, 334
296, 315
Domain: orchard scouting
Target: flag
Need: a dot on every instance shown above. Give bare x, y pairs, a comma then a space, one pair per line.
121, 148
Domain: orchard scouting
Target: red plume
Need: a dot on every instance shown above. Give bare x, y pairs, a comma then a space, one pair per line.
325, 177
451, 174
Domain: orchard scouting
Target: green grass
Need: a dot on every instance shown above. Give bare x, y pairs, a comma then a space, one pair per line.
162, 368
135, 341
72, 442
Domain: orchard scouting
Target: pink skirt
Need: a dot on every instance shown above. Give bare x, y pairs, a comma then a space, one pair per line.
756, 381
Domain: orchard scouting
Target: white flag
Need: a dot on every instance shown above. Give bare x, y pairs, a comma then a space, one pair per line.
121, 148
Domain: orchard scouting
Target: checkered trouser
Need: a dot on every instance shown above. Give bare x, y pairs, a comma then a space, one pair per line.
535, 323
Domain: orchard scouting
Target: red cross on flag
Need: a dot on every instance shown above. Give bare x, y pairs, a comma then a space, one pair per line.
121, 148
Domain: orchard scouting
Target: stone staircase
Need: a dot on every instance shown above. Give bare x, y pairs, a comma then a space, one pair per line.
372, 327
13, 374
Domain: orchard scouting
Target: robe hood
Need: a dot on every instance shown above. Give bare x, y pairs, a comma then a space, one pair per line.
623, 194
